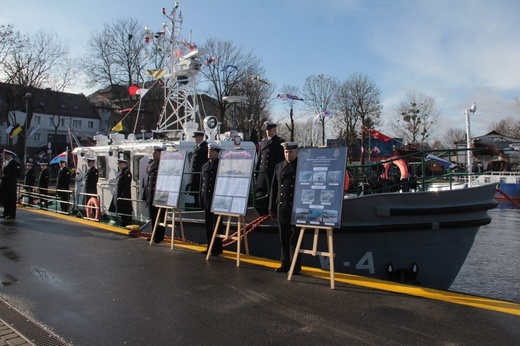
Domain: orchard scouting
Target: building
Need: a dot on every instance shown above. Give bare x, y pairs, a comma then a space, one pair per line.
57, 121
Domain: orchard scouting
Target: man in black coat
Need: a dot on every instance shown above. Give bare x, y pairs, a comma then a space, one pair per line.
198, 158
149, 195
29, 180
281, 203
9, 175
207, 187
271, 153
91, 177
43, 184
63, 185
123, 190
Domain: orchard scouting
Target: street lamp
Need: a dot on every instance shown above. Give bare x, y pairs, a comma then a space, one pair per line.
234, 100
473, 109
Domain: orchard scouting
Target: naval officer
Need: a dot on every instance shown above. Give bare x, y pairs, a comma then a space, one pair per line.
271, 153
198, 158
10, 171
281, 203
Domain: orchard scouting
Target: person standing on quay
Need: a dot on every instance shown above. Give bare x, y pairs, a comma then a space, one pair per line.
152, 170
123, 190
281, 203
29, 181
271, 153
198, 158
10, 171
91, 178
63, 185
43, 185
207, 187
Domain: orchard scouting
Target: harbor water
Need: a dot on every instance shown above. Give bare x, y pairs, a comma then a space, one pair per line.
492, 268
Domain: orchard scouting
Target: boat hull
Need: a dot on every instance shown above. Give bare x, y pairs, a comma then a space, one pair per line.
420, 238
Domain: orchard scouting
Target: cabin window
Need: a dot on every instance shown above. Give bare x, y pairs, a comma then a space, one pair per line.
102, 166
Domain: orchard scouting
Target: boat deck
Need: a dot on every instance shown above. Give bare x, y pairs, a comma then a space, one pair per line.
69, 281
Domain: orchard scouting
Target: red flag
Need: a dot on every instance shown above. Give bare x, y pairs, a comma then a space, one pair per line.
381, 136
377, 134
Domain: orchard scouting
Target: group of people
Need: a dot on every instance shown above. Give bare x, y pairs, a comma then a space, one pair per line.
274, 188
277, 166
10, 173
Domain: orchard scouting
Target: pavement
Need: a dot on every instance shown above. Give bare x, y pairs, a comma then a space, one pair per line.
72, 282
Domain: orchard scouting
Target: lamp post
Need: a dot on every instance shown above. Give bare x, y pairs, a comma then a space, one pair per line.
27, 98
468, 141
234, 100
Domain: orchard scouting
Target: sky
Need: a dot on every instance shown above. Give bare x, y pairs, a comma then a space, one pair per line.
458, 52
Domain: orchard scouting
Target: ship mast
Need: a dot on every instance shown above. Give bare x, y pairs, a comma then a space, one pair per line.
180, 108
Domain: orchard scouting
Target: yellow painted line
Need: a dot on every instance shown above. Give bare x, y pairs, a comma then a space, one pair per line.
430, 293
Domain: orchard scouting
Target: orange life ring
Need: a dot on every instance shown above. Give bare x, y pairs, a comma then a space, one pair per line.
93, 208
347, 180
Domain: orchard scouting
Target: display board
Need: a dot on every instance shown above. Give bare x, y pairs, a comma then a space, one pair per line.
318, 194
235, 170
169, 178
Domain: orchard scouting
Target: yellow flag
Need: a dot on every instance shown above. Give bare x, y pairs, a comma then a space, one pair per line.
118, 127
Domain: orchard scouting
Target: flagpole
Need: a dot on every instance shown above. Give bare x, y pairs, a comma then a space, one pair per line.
28, 97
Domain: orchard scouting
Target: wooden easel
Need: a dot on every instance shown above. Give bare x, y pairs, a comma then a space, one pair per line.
313, 251
167, 222
237, 237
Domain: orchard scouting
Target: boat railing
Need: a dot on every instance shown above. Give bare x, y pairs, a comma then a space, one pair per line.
46, 198
368, 178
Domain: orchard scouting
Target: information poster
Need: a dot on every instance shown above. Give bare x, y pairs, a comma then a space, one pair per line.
169, 178
318, 194
235, 170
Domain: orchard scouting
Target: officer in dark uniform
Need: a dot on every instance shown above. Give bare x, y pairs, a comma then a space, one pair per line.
91, 177
10, 171
63, 184
198, 158
123, 190
271, 153
207, 187
29, 180
43, 184
149, 195
281, 203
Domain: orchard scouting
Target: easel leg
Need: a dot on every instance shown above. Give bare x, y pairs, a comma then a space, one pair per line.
213, 237
155, 226
331, 257
180, 223
173, 229
239, 241
245, 237
296, 254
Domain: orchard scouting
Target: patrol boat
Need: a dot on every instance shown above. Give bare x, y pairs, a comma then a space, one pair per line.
418, 237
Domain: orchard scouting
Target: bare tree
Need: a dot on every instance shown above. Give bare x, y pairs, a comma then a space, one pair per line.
36, 62
508, 127
358, 103
232, 72
116, 54
319, 92
10, 41
291, 100
452, 136
39, 61
415, 117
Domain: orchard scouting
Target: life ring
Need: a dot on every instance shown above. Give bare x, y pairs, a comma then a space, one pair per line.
93, 208
400, 163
